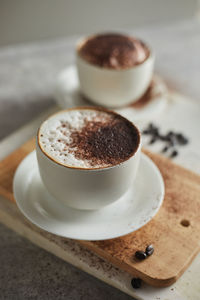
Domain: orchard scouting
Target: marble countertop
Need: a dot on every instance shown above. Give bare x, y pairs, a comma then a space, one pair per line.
27, 76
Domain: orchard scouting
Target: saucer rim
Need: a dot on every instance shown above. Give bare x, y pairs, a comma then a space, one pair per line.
30, 217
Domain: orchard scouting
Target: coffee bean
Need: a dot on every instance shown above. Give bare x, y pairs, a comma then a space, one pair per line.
174, 153
170, 133
171, 139
152, 141
181, 139
146, 131
169, 136
149, 250
162, 137
141, 255
136, 283
165, 149
152, 128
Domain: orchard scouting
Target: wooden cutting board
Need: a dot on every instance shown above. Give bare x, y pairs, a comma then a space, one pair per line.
174, 231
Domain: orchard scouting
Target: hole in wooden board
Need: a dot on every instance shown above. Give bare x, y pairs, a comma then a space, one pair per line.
185, 223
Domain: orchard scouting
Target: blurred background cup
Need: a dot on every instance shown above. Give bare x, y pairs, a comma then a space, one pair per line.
113, 87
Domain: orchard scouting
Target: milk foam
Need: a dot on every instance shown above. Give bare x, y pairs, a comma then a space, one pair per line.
55, 135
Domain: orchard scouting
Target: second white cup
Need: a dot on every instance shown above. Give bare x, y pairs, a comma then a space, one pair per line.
113, 87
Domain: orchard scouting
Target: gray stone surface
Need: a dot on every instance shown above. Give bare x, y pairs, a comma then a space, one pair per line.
28, 272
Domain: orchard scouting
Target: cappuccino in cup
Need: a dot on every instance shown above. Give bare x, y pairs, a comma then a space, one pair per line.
113, 69
88, 157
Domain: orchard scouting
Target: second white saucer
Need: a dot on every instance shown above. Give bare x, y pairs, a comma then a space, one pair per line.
129, 213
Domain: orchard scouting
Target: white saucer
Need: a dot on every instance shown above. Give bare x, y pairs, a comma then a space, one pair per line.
67, 95
129, 213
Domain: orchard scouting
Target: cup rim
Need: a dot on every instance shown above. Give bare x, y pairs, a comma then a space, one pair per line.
96, 168
83, 39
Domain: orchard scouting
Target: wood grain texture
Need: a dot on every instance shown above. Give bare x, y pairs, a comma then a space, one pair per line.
175, 245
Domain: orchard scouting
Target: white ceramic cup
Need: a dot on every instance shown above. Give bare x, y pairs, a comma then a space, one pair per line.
111, 87
87, 188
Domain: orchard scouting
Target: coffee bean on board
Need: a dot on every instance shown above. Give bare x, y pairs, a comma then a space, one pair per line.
149, 250
136, 283
141, 255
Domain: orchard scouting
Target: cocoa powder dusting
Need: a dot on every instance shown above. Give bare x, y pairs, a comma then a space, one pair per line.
105, 143
114, 51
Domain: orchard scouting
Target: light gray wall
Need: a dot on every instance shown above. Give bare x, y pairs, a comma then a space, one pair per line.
30, 20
